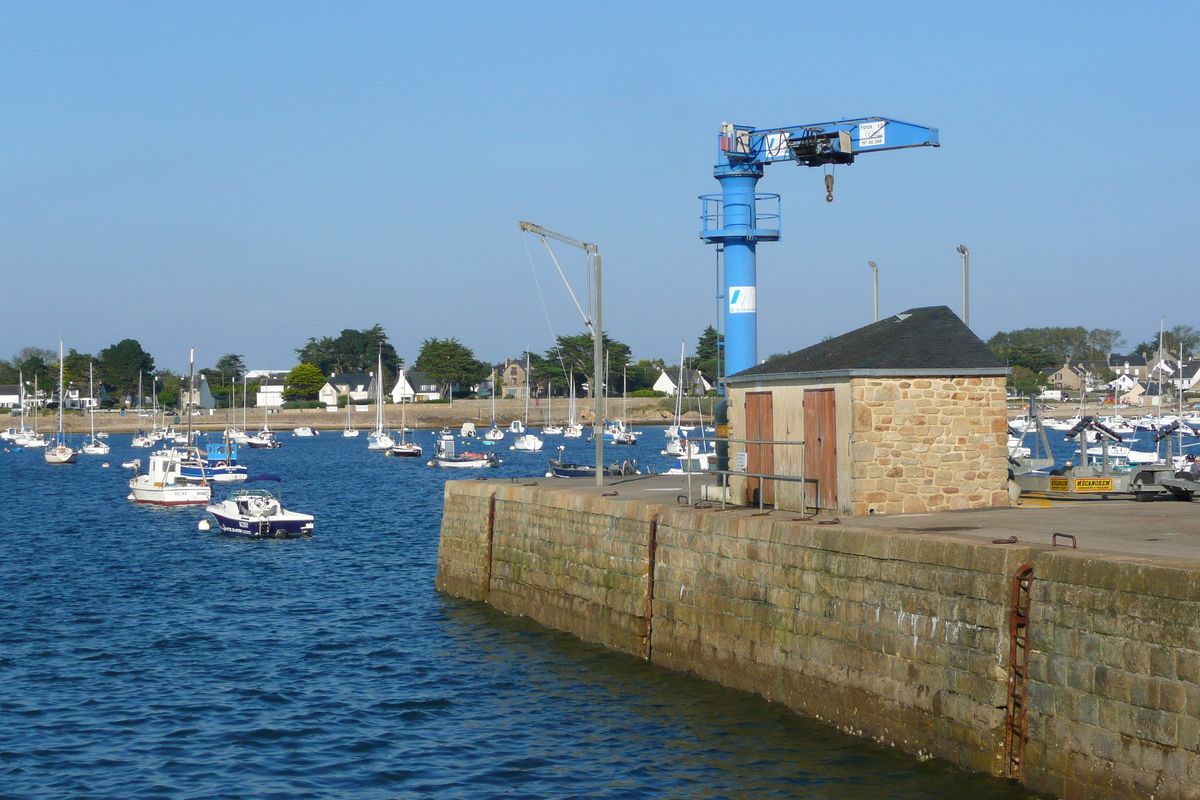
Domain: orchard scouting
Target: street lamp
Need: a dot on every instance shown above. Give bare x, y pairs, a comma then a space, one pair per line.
875, 269
966, 255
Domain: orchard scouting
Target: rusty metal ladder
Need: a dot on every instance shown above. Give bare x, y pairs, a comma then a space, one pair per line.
1018, 665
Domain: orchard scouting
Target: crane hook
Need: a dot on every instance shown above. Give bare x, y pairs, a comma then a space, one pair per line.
829, 188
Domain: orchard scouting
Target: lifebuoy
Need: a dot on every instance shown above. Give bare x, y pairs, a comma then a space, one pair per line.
222, 463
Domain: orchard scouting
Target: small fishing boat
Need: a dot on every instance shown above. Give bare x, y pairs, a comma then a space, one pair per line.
163, 483
562, 469
218, 463
446, 457
259, 512
467, 431
263, 440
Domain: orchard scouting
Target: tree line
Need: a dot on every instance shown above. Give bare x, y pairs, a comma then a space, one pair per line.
447, 362
1034, 353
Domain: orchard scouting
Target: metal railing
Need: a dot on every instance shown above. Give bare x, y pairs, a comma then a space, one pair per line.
761, 476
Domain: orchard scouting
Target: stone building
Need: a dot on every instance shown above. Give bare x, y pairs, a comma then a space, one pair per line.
904, 415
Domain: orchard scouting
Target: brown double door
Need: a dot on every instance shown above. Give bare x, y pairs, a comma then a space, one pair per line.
760, 458
820, 449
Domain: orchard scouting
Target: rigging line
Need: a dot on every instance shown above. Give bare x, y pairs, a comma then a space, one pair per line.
566, 283
545, 311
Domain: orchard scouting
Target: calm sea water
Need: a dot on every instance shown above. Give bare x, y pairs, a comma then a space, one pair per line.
143, 658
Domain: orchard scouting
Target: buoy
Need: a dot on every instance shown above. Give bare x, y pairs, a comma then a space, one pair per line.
204, 525
105, 465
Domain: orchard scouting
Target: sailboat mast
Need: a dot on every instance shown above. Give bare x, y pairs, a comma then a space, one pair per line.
191, 389
60, 391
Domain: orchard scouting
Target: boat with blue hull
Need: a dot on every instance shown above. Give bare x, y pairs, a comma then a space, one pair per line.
218, 463
257, 511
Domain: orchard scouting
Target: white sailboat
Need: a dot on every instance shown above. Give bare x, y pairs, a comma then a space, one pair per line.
379, 439
405, 448
526, 442
95, 447
60, 452
30, 437
493, 434
350, 432
574, 430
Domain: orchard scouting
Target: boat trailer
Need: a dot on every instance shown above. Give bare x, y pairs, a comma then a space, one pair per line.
1090, 479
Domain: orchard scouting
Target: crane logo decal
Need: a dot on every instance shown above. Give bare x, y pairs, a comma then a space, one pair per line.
871, 134
742, 299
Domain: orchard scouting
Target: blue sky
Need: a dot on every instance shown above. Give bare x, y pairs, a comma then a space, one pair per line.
237, 177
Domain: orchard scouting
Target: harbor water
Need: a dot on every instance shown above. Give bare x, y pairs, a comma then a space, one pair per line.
143, 658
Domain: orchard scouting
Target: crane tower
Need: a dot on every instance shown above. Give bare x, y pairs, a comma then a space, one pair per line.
733, 221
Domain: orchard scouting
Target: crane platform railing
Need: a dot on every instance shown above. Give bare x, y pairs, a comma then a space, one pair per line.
765, 225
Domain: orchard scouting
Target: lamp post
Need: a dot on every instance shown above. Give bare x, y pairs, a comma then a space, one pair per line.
966, 255
875, 269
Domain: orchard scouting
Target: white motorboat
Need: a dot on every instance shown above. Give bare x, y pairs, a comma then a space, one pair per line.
447, 457
700, 462
258, 512
516, 426
304, 431
163, 484
467, 431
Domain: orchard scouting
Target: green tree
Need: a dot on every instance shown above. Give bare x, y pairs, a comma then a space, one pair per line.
448, 362
352, 352
75, 367
303, 382
575, 353
224, 377
30, 362
707, 351
169, 387
118, 366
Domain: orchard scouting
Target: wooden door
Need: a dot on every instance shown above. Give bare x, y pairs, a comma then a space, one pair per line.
760, 458
820, 449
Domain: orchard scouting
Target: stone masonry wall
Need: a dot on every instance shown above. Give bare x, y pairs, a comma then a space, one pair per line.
1114, 678
903, 638
894, 638
928, 444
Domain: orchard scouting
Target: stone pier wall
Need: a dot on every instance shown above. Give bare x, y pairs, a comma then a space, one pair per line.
901, 638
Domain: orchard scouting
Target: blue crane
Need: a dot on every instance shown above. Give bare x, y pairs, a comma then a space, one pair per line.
733, 221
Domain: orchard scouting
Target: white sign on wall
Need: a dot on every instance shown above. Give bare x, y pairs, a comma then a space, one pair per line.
743, 300
776, 145
871, 134
741, 459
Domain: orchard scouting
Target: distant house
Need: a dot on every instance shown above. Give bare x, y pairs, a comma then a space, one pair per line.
77, 397
270, 393
694, 382
1143, 394
512, 378
1122, 384
198, 395
415, 387
10, 396
1132, 365
356, 389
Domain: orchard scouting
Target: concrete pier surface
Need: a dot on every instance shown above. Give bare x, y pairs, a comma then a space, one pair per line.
1074, 670
1163, 528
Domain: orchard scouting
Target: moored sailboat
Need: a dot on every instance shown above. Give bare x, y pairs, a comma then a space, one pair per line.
60, 452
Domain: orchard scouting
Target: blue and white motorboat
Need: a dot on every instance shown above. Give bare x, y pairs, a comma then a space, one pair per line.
258, 512
218, 463
562, 469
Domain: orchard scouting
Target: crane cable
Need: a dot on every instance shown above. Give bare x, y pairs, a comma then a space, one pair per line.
545, 310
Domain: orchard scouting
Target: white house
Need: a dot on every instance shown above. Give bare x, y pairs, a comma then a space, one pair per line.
10, 396
356, 388
414, 387
694, 382
270, 393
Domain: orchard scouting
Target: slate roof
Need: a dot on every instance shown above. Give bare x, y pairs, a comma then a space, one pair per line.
925, 341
